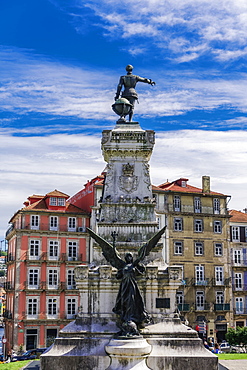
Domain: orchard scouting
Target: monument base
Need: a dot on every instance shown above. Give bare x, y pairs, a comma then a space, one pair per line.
128, 354
166, 345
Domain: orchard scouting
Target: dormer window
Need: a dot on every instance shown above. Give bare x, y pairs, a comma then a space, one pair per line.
183, 183
53, 201
61, 202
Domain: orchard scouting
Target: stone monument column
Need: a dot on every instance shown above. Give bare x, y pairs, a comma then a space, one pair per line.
127, 205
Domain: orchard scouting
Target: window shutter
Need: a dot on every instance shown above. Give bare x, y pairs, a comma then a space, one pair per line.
245, 280
242, 234
244, 256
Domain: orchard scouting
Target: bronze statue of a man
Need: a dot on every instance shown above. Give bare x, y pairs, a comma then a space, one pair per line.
129, 82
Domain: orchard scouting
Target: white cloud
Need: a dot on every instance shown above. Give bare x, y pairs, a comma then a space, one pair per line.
203, 22
38, 165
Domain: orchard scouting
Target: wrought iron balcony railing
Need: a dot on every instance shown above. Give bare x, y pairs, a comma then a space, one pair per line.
222, 307
184, 307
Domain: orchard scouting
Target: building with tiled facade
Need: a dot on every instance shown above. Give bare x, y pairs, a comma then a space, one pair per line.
238, 254
46, 241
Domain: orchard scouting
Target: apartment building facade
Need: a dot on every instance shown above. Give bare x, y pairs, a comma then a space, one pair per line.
238, 255
197, 239
46, 241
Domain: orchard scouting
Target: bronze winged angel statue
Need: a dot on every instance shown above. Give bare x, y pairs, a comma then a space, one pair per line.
129, 303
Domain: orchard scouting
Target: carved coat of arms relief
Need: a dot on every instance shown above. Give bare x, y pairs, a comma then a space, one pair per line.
128, 182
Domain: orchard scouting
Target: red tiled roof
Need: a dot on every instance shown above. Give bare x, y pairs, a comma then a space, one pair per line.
237, 216
174, 186
56, 193
41, 206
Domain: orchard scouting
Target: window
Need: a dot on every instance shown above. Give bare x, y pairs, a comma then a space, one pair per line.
72, 306
237, 257
180, 297
218, 251
178, 247
198, 226
72, 224
246, 234
33, 278
52, 278
52, 307
72, 251
61, 202
219, 275
178, 224
199, 274
177, 203
219, 297
238, 281
217, 227
158, 220
34, 249
53, 249
71, 279
235, 234
32, 307
239, 304
53, 201
54, 223
216, 205
197, 205
34, 222
200, 301
198, 248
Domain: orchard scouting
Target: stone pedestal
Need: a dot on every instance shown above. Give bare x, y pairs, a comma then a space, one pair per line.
128, 354
166, 345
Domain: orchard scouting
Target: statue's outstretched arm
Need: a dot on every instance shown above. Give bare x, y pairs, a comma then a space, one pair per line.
146, 80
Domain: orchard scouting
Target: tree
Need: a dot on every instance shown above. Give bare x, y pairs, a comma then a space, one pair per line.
237, 336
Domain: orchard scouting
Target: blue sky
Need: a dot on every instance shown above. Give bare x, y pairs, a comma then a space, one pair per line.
60, 63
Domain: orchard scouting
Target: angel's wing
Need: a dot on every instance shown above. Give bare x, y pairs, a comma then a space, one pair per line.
146, 248
108, 251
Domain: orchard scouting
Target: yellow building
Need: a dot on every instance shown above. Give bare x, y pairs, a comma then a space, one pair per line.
238, 238
197, 239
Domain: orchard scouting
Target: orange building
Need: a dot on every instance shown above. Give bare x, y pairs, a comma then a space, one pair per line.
46, 240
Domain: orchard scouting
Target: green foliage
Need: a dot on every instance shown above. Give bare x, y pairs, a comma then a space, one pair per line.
231, 356
14, 365
2, 273
237, 336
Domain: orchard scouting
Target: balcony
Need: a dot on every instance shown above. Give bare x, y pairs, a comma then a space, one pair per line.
224, 282
197, 282
43, 285
222, 307
184, 307
202, 307
187, 209
45, 257
48, 227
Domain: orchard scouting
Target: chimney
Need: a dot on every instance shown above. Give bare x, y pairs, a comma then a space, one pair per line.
206, 184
